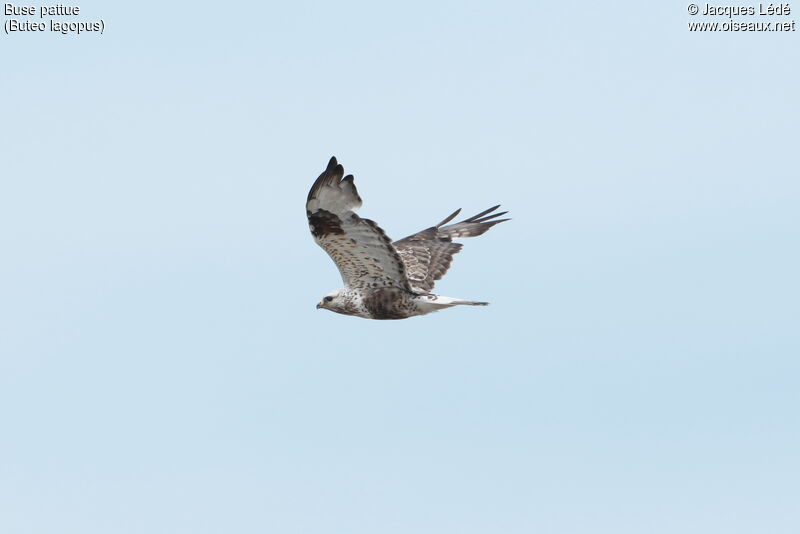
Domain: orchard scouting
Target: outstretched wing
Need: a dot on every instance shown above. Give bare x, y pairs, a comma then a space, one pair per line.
428, 254
359, 247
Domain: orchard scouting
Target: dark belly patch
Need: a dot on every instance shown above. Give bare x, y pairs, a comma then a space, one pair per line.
386, 303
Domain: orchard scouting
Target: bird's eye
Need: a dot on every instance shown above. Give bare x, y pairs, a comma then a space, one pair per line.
328, 299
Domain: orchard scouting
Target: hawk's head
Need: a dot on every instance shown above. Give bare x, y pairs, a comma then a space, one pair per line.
337, 301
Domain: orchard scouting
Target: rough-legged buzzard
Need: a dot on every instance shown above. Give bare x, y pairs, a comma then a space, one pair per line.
383, 279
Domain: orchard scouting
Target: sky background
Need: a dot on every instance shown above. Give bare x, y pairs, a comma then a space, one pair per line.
163, 368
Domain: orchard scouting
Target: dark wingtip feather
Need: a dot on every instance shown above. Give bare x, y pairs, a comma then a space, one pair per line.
449, 218
332, 173
475, 218
490, 217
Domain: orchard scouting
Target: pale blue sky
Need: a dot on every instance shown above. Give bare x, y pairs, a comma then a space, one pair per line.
163, 368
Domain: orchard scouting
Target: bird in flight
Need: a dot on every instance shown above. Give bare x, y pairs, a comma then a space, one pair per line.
383, 279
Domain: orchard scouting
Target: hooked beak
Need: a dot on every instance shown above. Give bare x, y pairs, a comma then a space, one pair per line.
319, 305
